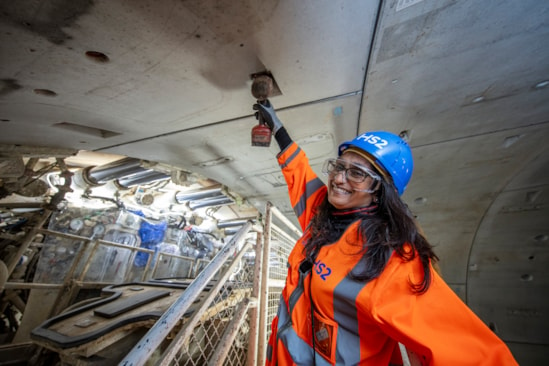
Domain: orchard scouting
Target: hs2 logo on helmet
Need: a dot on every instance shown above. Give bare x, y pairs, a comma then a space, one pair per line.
374, 140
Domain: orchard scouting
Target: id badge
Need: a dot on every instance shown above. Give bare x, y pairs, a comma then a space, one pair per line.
325, 337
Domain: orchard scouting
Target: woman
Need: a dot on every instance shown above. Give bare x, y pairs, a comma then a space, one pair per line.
360, 279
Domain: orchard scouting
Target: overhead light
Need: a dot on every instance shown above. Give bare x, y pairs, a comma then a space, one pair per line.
478, 99
510, 140
541, 84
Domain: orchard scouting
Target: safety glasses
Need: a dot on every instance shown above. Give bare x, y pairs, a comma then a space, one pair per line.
351, 171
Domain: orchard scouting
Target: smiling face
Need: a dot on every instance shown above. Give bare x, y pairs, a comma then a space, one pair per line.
345, 194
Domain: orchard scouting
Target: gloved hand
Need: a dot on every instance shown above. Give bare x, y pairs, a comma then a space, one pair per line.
266, 111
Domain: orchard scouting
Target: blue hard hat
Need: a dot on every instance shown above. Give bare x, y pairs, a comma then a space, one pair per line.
389, 153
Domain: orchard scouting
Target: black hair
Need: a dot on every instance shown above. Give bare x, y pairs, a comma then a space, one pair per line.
388, 229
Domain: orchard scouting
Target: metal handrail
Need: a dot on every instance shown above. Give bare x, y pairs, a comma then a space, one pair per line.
187, 330
143, 349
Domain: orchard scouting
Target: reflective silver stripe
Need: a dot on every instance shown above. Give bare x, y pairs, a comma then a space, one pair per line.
297, 292
310, 188
345, 315
290, 159
302, 353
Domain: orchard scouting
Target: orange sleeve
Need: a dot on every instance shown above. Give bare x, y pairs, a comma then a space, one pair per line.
435, 325
305, 189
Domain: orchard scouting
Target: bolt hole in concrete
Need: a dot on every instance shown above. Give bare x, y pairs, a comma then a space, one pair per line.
97, 56
46, 92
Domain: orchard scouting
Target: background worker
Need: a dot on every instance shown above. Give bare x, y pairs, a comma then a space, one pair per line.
360, 280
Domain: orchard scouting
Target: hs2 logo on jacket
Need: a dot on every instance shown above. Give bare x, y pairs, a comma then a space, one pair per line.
322, 269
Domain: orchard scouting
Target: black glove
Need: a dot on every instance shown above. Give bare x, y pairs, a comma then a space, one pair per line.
266, 111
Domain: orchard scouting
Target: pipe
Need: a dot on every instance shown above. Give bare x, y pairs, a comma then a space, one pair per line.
114, 170
142, 350
232, 223
144, 177
230, 231
213, 201
181, 197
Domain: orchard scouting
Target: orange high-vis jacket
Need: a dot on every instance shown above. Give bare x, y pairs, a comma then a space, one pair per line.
361, 323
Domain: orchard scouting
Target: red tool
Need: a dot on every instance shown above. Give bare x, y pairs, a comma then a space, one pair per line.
262, 87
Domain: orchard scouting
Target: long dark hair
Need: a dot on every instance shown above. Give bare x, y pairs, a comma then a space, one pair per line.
389, 229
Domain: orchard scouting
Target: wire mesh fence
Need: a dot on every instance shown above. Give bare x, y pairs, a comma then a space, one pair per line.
216, 325
210, 334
